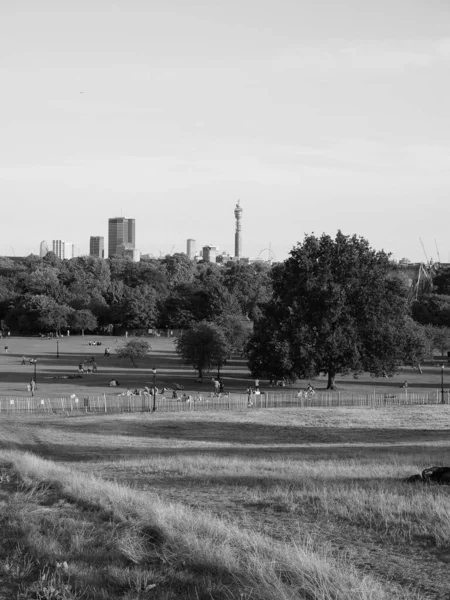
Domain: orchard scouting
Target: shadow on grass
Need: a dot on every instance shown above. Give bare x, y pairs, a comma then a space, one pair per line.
76, 453
250, 433
122, 440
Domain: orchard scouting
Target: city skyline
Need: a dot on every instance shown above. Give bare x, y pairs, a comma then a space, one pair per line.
318, 116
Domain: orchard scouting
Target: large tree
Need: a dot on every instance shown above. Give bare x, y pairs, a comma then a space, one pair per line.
203, 346
135, 349
338, 307
83, 319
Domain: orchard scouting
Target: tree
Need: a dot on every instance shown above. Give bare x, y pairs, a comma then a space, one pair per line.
203, 346
267, 349
236, 329
338, 306
83, 319
137, 308
417, 344
441, 281
432, 309
249, 284
135, 350
440, 338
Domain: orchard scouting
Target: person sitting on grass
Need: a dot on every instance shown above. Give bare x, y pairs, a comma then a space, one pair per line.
114, 383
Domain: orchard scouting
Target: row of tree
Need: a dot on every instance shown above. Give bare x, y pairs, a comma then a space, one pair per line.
335, 306
39, 295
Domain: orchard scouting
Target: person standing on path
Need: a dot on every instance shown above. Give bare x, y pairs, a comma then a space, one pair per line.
23, 360
6, 349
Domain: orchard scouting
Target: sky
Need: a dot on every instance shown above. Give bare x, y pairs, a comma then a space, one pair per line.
317, 115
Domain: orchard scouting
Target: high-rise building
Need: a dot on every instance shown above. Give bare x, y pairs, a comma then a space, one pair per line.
210, 253
120, 231
43, 249
97, 246
191, 249
238, 232
63, 249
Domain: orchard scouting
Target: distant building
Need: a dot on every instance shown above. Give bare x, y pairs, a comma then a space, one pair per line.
191, 249
97, 246
63, 249
43, 249
127, 251
238, 231
120, 231
223, 258
210, 253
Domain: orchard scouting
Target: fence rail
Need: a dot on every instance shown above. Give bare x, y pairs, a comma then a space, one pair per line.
200, 402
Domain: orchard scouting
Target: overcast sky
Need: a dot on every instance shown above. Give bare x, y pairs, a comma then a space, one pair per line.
317, 114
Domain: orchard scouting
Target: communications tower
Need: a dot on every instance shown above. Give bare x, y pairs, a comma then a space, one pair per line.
238, 232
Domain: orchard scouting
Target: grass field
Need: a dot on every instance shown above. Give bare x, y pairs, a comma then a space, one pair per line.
292, 504
301, 503
14, 376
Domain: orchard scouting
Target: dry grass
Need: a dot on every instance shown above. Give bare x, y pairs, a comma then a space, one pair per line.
140, 527
289, 504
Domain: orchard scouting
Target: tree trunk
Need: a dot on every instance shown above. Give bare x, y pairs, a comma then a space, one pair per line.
218, 371
331, 375
419, 368
200, 373
82, 333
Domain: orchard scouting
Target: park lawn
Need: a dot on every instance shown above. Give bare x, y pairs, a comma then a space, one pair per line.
14, 377
322, 487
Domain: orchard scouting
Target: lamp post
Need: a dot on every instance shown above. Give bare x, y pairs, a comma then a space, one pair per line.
57, 348
154, 390
35, 363
442, 385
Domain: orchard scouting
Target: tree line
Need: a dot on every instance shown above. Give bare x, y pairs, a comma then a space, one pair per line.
335, 306
87, 293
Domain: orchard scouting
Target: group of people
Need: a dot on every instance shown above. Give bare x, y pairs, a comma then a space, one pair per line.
82, 368
32, 361
219, 387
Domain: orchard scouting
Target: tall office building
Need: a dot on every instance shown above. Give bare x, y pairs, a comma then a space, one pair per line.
120, 231
191, 249
63, 249
238, 232
97, 246
43, 249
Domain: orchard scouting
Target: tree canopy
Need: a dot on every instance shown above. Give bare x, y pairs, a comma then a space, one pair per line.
336, 308
203, 347
134, 349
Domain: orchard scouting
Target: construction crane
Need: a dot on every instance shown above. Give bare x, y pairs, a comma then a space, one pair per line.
437, 251
424, 251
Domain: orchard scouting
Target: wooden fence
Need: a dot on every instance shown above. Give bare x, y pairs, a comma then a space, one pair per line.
203, 402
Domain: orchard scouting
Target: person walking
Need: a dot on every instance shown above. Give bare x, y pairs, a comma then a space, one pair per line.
6, 349
249, 396
23, 360
32, 386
